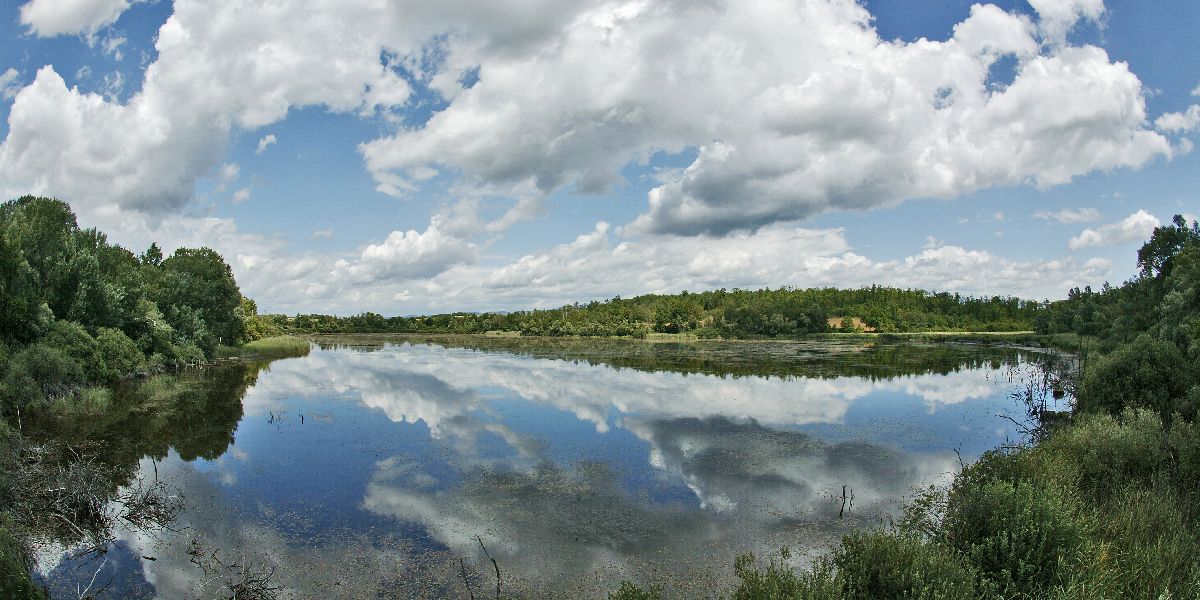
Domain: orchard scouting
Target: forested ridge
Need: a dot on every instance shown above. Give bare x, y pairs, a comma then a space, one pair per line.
737, 313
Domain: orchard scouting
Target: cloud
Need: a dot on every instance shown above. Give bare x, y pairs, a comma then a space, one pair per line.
241, 195
795, 108
407, 255
112, 46
1069, 215
48, 18
791, 108
322, 233
1136, 226
9, 84
226, 174
439, 270
1182, 122
595, 266
220, 66
265, 142
1059, 16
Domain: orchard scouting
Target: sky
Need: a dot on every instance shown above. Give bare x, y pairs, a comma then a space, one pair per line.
413, 157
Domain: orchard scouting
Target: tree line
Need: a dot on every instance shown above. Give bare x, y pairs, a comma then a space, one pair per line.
77, 310
736, 313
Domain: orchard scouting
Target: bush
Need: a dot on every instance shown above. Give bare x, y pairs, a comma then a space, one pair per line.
1105, 453
1184, 441
1145, 373
39, 372
188, 354
88, 401
74, 341
629, 591
780, 582
1022, 536
119, 355
884, 565
1146, 547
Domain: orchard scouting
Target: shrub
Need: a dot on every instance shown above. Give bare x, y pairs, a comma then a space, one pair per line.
119, 355
1019, 535
188, 354
885, 565
74, 341
781, 582
1145, 373
39, 372
1147, 546
1106, 453
629, 591
88, 401
1184, 441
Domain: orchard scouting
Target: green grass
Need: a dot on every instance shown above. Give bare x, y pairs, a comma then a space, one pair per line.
281, 346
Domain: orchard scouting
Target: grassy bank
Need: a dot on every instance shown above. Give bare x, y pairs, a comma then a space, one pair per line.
280, 346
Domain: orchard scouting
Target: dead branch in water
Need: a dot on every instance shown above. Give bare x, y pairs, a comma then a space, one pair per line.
495, 565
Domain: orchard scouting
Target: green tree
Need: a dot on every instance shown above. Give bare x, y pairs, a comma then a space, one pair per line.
199, 297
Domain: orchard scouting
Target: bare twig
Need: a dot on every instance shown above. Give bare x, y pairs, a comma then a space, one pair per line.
842, 512
467, 582
495, 565
84, 593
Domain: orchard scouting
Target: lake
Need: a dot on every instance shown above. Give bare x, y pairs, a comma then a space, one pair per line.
392, 467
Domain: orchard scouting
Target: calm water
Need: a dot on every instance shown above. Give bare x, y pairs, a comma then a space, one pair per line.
370, 467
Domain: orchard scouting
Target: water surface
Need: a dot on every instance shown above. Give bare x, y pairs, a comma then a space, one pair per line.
372, 466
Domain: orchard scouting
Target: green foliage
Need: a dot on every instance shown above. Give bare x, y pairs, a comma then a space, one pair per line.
273, 347
871, 565
38, 372
1022, 536
254, 327
1100, 453
75, 309
74, 341
119, 355
766, 313
880, 565
1145, 373
780, 582
16, 583
200, 297
629, 591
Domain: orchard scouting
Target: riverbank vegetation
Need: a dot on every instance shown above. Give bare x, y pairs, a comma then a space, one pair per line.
1102, 504
78, 316
76, 310
730, 314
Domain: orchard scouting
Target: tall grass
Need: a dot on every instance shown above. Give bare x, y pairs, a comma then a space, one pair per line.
280, 346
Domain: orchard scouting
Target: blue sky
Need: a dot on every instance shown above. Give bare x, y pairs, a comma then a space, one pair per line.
406, 157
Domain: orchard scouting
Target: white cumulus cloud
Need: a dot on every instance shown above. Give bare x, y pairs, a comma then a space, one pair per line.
795, 108
220, 66
791, 107
1188, 120
1136, 226
264, 143
9, 84
1070, 215
48, 18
